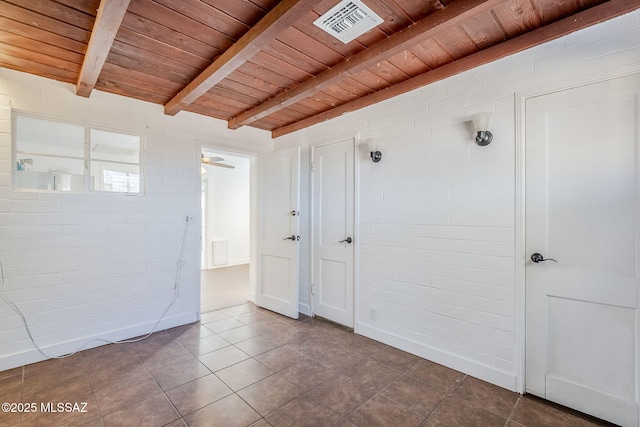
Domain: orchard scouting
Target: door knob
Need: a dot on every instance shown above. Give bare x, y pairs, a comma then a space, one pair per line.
538, 258
292, 237
348, 240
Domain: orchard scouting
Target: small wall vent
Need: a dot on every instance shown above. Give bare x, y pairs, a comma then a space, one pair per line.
220, 252
347, 20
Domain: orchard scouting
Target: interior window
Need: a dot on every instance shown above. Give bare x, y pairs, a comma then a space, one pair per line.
49, 155
115, 162
59, 156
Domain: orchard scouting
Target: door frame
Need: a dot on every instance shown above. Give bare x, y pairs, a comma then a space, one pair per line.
253, 214
204, 226
520, 201
356, 223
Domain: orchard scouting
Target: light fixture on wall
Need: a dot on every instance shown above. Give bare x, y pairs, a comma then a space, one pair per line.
374, 152
480, 125
376, 156
369, 145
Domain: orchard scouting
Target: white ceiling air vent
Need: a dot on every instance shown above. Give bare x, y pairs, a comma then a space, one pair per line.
347, 20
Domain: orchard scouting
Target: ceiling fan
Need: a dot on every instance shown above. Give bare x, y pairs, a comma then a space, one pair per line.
215, 161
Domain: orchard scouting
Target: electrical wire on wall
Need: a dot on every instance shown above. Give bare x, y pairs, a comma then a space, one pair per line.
176, 292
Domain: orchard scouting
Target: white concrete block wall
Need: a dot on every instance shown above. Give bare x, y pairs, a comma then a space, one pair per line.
85, 266
437, 214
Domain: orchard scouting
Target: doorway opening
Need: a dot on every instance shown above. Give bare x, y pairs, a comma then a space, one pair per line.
225, 230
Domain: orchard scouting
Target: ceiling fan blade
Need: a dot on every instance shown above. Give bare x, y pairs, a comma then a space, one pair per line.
212, 159
222, 165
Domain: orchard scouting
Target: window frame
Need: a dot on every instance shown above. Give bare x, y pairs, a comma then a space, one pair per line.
86, 159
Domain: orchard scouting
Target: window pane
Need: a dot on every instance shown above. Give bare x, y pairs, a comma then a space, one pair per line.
115, 177
114, 146
47, 137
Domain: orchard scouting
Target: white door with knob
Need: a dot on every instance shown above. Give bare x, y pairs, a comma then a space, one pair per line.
582, 248
278, 206
333, 240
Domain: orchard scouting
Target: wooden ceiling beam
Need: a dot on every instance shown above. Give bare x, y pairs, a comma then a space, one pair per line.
595, 15
442, 20
105, 28
282, 16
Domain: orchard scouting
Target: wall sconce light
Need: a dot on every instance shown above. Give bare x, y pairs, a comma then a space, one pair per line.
376, 156
374, 152
369, 145
480, 125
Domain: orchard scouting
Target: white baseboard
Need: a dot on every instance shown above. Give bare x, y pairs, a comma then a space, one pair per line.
304, 309
33, 355
450, 360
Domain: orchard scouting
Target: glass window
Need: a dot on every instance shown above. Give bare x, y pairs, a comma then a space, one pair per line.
115, 162
49, 155
59, 156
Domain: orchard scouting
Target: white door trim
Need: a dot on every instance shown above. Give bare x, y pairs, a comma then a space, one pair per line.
203, 236
356, 234
198, 220
520, 199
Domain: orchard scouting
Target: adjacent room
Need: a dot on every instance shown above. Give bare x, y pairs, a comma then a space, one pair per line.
297, 212
225, 206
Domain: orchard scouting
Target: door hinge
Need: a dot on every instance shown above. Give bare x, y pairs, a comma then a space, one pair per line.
313, 290
313, 168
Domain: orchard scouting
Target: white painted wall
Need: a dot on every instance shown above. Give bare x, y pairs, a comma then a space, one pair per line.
228, 210
437, 227
84, 266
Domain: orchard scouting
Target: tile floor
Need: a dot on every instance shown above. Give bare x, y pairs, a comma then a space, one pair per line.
245, 366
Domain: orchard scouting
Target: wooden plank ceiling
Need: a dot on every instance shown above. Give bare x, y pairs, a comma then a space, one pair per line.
263, 63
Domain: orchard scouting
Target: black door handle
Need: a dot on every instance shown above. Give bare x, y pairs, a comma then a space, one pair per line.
348, 240
292, 237
539, 258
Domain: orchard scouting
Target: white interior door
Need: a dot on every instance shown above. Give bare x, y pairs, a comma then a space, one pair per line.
582, 210
333, 239
278, 195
